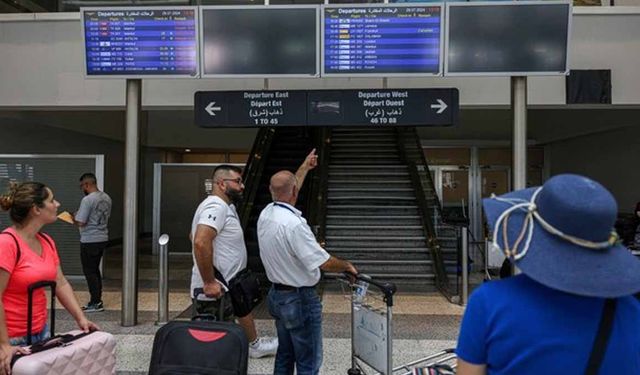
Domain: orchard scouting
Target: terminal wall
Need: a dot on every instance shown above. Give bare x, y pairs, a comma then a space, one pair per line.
41, 66
608, 157
21, 137
28, 137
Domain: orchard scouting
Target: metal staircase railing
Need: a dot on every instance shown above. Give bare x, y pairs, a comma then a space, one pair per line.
412, 154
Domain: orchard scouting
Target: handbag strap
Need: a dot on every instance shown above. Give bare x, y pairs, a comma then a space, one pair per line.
15, 240
602, 338
18, 252
218, 275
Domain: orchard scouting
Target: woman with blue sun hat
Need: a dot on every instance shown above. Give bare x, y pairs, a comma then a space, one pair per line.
572, 309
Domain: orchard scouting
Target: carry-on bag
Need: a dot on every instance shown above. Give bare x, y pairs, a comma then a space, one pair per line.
75, 352
200, 347
244, 289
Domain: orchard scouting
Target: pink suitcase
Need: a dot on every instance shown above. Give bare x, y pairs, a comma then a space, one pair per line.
91, 354
71, 353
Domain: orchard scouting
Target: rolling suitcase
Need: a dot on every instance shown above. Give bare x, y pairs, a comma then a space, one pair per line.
74, 352
200, 346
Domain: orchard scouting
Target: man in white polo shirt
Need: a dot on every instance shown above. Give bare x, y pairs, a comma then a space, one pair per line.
218, 246
293, 259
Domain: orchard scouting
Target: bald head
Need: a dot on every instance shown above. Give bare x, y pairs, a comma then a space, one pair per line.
282, 186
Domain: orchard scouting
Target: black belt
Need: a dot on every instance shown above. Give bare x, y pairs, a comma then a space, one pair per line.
277, 286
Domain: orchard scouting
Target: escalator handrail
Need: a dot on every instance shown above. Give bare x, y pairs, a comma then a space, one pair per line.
427, 174
322, 184
253, 171
442, 280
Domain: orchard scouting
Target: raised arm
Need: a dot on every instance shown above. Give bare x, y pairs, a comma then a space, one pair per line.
310, 162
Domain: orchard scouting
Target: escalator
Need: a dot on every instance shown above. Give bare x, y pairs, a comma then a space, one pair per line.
275, 149
371, 201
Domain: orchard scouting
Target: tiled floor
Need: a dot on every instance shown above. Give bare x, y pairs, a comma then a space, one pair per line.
423, 323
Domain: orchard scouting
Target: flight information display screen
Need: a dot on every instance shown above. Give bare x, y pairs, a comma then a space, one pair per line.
382, 40
141, 42
508, 38
262, 41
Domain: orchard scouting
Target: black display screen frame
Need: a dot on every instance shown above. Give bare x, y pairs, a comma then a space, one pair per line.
451, 69
260, 8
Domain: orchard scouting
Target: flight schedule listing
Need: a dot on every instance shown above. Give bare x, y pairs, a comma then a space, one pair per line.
382, 40
141, 42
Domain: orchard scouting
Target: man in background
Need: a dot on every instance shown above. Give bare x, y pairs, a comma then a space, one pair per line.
92, 218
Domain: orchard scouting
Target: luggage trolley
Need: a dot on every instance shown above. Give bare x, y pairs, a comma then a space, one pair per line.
372, 332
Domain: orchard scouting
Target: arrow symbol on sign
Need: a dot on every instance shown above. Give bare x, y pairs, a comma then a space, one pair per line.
441, 106
211, 109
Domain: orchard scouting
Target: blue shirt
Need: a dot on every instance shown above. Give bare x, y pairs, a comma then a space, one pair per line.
518, 326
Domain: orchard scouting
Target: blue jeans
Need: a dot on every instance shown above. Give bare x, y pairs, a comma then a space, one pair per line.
298, 315
22, 341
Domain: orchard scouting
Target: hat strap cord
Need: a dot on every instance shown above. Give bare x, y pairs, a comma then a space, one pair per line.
503, 219
529, 222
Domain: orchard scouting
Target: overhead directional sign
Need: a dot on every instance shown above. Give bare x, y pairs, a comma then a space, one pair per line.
393, 107
369, 107
211, 108
250, 108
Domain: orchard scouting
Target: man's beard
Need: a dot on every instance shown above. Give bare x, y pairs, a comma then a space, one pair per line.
235, 196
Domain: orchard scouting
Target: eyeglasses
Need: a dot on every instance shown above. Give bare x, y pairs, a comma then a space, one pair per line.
236, 180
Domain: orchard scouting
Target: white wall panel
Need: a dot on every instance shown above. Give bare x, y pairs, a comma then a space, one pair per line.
41, 66
180, 92
610, 41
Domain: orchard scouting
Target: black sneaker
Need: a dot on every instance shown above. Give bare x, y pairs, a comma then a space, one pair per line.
93, 307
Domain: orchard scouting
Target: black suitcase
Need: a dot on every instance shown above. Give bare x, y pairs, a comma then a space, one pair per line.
200, 347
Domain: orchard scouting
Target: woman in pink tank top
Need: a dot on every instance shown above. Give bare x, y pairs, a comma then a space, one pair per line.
28, 256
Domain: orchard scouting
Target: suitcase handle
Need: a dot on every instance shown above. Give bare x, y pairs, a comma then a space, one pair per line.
32, 288
50, 343
196, 316
55, 341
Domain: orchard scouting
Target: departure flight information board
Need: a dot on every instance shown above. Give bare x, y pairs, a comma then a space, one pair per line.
141, 42
260, 41
382, 40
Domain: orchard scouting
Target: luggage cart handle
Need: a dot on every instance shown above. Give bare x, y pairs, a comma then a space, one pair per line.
387, 288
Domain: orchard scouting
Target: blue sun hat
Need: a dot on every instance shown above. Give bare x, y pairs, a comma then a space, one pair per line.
562, 235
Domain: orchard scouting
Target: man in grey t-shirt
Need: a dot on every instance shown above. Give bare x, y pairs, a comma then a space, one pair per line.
92, 218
